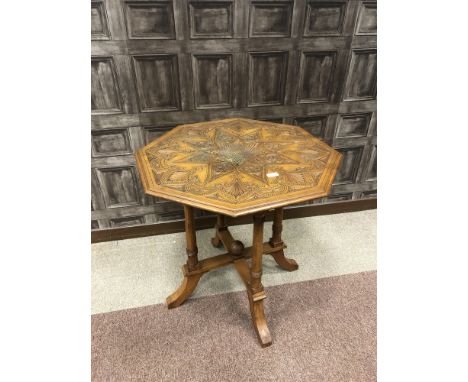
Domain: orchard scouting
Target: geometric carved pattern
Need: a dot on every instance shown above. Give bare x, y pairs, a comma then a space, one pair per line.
150, 19
324, 18
237, 163
367, 19
104, 89
99, 29
353, 125
362, 76
316, 76
157, 82
212, 75
270, 19
267, 77
210, 19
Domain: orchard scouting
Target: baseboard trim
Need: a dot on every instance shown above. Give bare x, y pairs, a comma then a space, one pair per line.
209, 221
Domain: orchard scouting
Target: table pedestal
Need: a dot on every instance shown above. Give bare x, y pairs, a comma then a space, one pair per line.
237, 254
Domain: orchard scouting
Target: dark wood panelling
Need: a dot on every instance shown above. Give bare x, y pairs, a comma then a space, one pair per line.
104, 89
362, 76
206, 222
267, 78
119, 186
367, 19
211, 19
314, 125
127, 221
338, 197
353, 125
160, 63
372, 172
269, 19
369, 194
149, 19
324, 18
110, 142
212, 76
157, 82
152, 133
349, 165
316, 76
99, 28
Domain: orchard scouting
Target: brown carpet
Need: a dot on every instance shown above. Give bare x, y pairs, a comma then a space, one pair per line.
322, 330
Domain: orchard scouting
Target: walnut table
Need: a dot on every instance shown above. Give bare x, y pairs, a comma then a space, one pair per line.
236, 167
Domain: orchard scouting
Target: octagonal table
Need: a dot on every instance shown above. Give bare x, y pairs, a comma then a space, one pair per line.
235, 167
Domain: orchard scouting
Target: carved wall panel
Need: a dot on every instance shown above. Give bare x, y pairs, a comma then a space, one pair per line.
211, 19
212, 75
267, 78
362, 76
104, 89
157, 82
324, 18
160, 63
316, 76
119, 186
149, 19
353, 125
110, 142
270, 19
367, 19
349, 165
99, 29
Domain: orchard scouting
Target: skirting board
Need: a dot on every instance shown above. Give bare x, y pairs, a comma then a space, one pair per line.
209, 221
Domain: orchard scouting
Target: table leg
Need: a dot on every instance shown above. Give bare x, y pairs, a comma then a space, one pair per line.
190, 281
276, 241
220, 225
255, 289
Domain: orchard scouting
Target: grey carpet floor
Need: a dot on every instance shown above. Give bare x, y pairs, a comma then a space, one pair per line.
323, 330
144, 271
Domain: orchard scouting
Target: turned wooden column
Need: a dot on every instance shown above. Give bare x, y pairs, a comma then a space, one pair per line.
277, 227
191, 239
277, 242
257, 254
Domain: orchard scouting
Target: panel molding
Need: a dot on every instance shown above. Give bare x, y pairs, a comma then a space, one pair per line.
275, 85
99, 21
367, 19
264, 22
315, 77
105, 92
204, 15
170, 100
159, 14
224, 90
324, 18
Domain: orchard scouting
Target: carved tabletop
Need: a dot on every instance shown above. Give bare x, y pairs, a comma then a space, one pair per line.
237, 166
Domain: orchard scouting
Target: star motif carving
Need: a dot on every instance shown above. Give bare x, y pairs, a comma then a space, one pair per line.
237, 161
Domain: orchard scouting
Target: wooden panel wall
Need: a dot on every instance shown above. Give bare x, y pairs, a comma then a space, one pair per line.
156, 64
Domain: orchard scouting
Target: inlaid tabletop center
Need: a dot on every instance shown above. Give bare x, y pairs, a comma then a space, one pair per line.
236, 153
